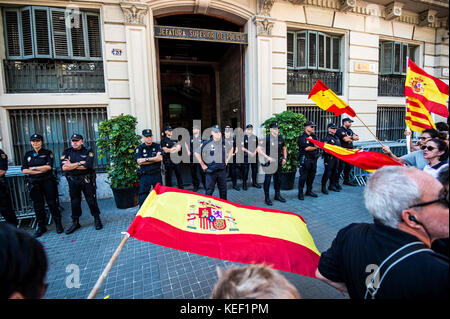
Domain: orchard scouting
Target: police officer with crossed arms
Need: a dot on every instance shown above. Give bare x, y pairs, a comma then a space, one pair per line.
77, 163
331, 162
148, 156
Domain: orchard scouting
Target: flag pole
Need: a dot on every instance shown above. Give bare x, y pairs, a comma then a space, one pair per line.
108, 267
382, 145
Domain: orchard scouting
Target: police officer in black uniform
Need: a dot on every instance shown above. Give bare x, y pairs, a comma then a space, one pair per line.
77, 163
230, 144
169, 146
346, 137
38, 165
307, 157
6, 209
195, 141
273, 150
148, 156
213, 159
249, 147
330, 162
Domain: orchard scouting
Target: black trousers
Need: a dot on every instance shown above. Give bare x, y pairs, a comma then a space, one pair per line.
41, 191
170, 167
254, 168
233, 170
307, 172
146, 183
276, 181
6, 209
331, 171
195, 181
84, 184
219, 177
346, 167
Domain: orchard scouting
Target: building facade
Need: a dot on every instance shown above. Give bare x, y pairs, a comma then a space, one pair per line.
68, 65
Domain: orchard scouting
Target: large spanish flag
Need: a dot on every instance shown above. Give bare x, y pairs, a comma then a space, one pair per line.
417, 116
366, 160
217, 228
431, 91
327, 100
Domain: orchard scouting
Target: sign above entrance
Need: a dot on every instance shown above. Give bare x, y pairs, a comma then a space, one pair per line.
180, 33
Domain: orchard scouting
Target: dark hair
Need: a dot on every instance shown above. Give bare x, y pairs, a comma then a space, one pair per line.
435, 134
442, 146
442, 126
443, 176
23, 263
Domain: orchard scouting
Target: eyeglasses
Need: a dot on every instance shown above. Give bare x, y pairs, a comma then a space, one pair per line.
443, 199
429, 148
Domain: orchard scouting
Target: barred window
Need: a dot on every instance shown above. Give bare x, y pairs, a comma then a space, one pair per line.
391, 122
56, 126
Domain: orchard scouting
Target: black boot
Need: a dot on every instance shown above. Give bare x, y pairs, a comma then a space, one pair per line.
98, 223
256, 185
338, 186
324, 189
74, 227
310, 193
333, 188
279, 198
300, 196
350, 183
195, 189
244, 186
59, 226
267, 200
40, 231
235, 187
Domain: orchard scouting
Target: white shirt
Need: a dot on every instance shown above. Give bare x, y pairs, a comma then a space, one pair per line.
434, 171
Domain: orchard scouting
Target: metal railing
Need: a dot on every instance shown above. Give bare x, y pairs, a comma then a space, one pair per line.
53, 76
390, 122
302, 81
391, 85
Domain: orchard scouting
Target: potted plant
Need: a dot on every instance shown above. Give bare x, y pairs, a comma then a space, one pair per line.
291, 126
118, 140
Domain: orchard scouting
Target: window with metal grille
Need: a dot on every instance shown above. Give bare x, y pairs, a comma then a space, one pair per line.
391, 122
320, 117
42, 32
56, 126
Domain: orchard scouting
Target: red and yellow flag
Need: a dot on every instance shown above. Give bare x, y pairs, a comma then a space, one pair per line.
417, 116
366, 160
213, 227
431, 91
327, 100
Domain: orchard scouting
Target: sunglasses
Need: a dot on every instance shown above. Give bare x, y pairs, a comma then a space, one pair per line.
429, 148
443, 199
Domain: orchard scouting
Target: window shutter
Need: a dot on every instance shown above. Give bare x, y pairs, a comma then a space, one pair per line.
94, 37
27, 33
397, 58
290, 50
387, 52
404, 58
41, 26
60, 41
412, 53
13, 34
78, 39
312, 50
328, 50
336, 53
301, 50
321, 51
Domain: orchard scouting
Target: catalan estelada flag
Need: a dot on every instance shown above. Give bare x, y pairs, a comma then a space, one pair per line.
217, 228
327, 100
366, 160
432, 92
417, 116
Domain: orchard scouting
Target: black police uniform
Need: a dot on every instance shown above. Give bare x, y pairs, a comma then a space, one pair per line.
250, 142
170, 166
6, 209
214, 155
343, 166
150, 174
230, 143
331, 164
43, 185
81, 181
195, 142
268, 143
308, 164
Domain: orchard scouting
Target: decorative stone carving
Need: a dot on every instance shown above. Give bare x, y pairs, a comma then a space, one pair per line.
201, 6
134, 12
346, 5
297, 1
393, 10
427, 17
264, 27
266, 7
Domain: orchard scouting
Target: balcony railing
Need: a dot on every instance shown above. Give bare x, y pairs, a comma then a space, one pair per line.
302, 81
391, 85
54, 76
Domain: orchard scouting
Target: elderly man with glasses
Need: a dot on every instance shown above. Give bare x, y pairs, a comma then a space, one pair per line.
391, 258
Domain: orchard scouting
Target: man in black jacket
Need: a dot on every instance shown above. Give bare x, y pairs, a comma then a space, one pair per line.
307, 157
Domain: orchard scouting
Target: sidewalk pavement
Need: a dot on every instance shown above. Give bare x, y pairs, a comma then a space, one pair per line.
144, 270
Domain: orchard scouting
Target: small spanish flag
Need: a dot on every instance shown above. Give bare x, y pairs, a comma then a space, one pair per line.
327, 100
213, 227
417, 116
432, 92
366, 160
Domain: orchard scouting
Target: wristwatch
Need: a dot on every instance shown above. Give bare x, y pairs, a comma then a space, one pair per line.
79, 163
33, 168
147, 159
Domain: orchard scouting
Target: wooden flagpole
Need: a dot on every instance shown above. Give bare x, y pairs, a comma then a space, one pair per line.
108, 267
382, 145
